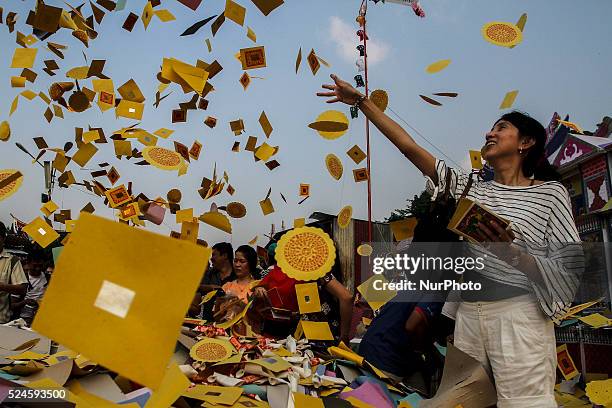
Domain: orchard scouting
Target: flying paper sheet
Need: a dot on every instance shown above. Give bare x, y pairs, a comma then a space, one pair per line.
195, 27
313, 331
191, 78
565, 363
24, 57
308, 297
235, 12
41, 232
403, 229
476, 159
375, 298
267, 6
438, 66
127, 275
252, 58
508, 100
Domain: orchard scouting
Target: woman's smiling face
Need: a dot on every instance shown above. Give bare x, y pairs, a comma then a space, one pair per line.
501, 141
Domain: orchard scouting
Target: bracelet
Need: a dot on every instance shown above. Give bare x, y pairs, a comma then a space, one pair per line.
360, 101
514, 259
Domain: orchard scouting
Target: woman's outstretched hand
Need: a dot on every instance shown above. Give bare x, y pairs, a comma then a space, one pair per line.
341, 91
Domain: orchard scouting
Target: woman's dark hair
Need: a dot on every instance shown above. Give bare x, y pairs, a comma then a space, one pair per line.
535, 162
225, 248
251, 256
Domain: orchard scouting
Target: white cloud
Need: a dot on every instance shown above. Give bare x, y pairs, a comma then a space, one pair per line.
345, 37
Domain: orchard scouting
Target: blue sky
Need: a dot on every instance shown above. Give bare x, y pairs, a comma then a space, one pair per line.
562, 65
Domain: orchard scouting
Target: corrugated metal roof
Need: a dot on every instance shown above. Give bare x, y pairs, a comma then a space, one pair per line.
319, 216
600, 142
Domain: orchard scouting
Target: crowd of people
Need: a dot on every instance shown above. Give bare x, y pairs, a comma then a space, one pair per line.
511, 333
22, 284
399, 341
237, 278
243, 276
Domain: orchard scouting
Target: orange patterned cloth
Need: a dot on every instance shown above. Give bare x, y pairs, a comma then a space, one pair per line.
240, 289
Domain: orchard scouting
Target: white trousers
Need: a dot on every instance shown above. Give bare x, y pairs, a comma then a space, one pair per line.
515, 342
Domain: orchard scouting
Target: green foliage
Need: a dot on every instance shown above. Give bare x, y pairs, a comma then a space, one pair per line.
416, 207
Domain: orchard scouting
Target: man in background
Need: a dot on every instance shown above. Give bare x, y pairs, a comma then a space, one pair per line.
221, 272
27, 308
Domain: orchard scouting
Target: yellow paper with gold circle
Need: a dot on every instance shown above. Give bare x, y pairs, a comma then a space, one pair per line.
331, 124
161, 158
344, 216
217, 220
211, 350
600, 392
306, 253
334, 166
236, 210
502, 34
380, 98
438, 66
12, 187
364, 250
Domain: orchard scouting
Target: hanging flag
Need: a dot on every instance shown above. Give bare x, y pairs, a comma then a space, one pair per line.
552, 126
416, 7
558, 138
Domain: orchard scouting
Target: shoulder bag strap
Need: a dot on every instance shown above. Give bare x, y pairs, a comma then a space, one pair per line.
446, 195
466, 190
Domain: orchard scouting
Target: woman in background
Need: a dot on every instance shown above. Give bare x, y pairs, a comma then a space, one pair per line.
245, 266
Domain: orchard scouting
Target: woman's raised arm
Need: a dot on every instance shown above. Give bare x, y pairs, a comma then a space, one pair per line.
342, 91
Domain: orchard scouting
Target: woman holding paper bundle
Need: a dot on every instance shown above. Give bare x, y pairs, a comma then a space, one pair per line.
532, 268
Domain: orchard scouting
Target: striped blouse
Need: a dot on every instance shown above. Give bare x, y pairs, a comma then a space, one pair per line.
543, 225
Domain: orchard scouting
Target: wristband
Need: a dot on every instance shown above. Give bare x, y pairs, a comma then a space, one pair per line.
360, 101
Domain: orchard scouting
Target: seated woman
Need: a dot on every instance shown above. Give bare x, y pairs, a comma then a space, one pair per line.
279, 290
245, 265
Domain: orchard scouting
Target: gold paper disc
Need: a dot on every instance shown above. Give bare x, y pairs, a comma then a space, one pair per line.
502, 34
334, 166
211, 350
344, 216
162, 158
305, 253
380, 98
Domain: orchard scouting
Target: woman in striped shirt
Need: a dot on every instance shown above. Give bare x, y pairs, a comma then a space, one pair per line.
532, 269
